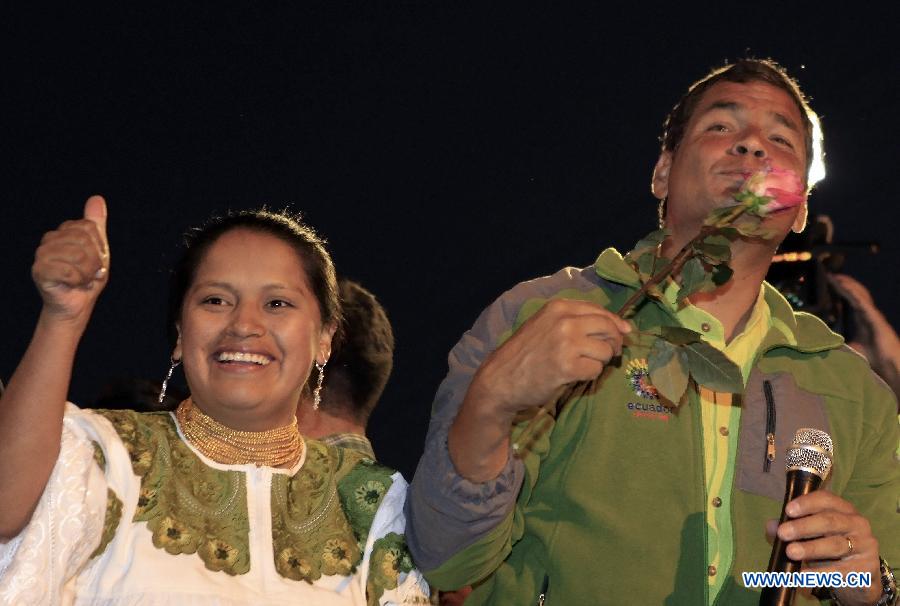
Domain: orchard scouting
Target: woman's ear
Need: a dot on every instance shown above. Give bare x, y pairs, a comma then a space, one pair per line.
177, 352
325, 342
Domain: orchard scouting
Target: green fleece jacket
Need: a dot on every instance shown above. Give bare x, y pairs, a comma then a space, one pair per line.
607, 504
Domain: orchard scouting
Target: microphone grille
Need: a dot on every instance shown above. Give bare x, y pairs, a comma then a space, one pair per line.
814, 437
811, 451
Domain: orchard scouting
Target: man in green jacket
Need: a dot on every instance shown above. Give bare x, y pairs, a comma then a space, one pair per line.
625, 497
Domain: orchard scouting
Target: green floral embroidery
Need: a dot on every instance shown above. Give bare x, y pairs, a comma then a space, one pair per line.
110, 522
292, 564
320, 517
390, 558
113, 507
368, 496
311, 534
99, 457
219, 555
361, 492
188, 507
336, 557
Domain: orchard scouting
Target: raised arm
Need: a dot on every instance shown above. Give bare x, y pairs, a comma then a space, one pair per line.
466, 484
565, 341
71, 267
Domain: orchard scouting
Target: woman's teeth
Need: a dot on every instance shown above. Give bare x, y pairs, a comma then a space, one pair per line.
237, 356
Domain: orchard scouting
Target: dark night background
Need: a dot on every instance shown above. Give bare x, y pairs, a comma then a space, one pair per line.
446, 152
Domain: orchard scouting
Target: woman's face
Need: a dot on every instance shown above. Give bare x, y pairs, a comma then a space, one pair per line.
250, 331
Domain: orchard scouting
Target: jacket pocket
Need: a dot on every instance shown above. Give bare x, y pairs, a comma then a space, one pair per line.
772, 404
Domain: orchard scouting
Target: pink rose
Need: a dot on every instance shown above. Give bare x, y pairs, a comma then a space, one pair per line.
783, 186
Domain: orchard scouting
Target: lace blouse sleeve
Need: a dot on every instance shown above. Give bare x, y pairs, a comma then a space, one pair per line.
39, 565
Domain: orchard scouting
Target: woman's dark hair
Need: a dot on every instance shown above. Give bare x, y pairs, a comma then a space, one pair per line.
285, 226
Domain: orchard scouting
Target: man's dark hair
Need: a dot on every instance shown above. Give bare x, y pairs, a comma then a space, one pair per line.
742, 72
362, 358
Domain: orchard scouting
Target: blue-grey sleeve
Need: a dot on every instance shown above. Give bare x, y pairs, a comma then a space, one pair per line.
446, 512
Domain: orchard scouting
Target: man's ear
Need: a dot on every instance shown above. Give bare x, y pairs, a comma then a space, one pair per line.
800, 220
660, 183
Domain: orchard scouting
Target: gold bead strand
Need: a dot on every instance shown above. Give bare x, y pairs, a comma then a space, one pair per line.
281, 446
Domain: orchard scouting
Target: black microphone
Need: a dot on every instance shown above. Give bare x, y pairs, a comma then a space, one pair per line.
808, 463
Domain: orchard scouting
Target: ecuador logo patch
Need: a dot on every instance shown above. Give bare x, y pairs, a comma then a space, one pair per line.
638, 377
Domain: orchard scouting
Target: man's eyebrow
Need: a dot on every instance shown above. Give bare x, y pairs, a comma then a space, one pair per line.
731, 106
785, 121
735, 107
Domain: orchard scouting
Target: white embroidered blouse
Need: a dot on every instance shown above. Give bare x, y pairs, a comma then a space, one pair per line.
132, 514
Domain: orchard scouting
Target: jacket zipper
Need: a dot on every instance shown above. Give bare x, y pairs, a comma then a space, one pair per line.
770, 425
542, 596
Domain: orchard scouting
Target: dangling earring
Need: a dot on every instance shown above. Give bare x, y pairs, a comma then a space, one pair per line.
317, 392
165, 384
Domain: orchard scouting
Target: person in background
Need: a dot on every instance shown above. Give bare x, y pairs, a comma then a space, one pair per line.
358, 371
874, 337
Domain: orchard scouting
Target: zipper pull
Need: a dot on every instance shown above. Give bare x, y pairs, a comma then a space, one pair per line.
770, 425
542, 596
770, 450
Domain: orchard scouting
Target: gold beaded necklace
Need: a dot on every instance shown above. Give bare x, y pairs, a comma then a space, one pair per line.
279, 447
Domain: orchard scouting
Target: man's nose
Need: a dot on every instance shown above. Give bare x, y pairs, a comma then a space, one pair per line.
749, 146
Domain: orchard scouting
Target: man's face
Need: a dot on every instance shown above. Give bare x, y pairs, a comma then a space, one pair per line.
734, 130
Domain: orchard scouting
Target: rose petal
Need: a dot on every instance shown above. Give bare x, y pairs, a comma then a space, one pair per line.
782, 199
787, 180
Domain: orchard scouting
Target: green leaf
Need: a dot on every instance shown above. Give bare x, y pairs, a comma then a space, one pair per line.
645, 264
729, 233
717, 239
721, 274
668, 369
754, 230
693, 275
715, 249
650, 242
712, 369
678, 335
724, 216
662, 264
656, 292
755, 204
751, 226
717, 215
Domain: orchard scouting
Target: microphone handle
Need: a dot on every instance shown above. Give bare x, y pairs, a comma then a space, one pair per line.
799, 483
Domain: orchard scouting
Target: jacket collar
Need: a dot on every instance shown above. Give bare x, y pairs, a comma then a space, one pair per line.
796, 330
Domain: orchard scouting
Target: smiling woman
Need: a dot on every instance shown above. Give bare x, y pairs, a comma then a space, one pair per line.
249, 331
222, 502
